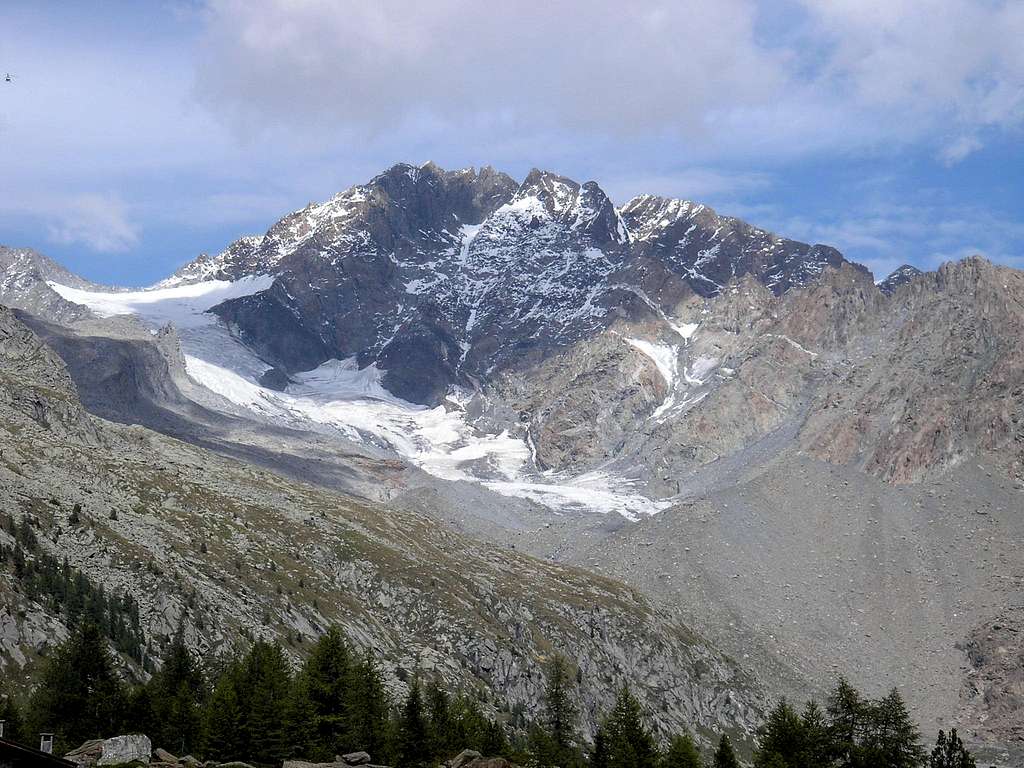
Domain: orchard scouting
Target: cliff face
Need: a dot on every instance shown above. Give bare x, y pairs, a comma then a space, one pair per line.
944, 381
900, 386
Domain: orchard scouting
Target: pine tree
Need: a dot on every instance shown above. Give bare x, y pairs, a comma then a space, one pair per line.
140, 716
561, 713
554, 741
178, 692
599, 756
413, 747
79, 696
493, 741
301, 721
10, 713
846, 724
369, 720
682, 753
225, 718
782, 736
628, 742
441, 730
950, 752
325, 680
892, 740
818, 751
474, 731
264, 694
725, 757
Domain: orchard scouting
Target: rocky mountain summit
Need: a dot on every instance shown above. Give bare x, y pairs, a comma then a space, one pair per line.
899, 276
442, 277
24, 283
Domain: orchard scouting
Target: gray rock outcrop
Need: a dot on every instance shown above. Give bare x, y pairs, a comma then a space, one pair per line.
130, 748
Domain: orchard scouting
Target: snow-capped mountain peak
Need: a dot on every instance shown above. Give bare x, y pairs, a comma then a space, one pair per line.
443, 277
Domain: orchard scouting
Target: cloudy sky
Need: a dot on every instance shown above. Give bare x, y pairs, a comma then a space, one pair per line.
137, 135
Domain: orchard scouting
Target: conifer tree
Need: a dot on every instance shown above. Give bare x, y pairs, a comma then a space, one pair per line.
682, 753
892, 739
325, 682
441, 730
725, 757
140, 714
300, 722
474, 731
627, 740
846, 724
599, 757
782, 736
369, 720
950, 752
225, 718
79, 696
818, 751
555, 740
263, 695
178, 691
10, 713
493, 741
413, 746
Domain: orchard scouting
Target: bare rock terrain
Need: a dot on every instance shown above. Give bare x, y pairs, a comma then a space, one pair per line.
222, 551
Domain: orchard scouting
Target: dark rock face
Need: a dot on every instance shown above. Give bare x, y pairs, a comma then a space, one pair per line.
899, 277
445, 277
276, 379
709, 250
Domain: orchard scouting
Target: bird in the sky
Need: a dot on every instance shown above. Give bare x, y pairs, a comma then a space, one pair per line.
9, 79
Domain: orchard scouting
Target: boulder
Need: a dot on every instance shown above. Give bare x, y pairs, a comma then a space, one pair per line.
355, 758
234, 764
464, 757
87, 753
191, 762
491, 762
164, 756
131, 748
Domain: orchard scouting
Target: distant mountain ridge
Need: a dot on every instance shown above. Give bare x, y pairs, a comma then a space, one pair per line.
443, 277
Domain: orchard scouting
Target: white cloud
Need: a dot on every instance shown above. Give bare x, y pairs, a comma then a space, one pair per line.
959, 149
98, 222
504, 66
832, 74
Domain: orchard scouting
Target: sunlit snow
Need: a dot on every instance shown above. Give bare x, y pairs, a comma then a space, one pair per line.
182, 305
341, 396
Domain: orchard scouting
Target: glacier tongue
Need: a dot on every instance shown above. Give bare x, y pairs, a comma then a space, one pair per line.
341, 397
438, 440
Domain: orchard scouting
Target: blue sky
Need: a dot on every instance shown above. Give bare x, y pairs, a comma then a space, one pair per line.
137, 135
